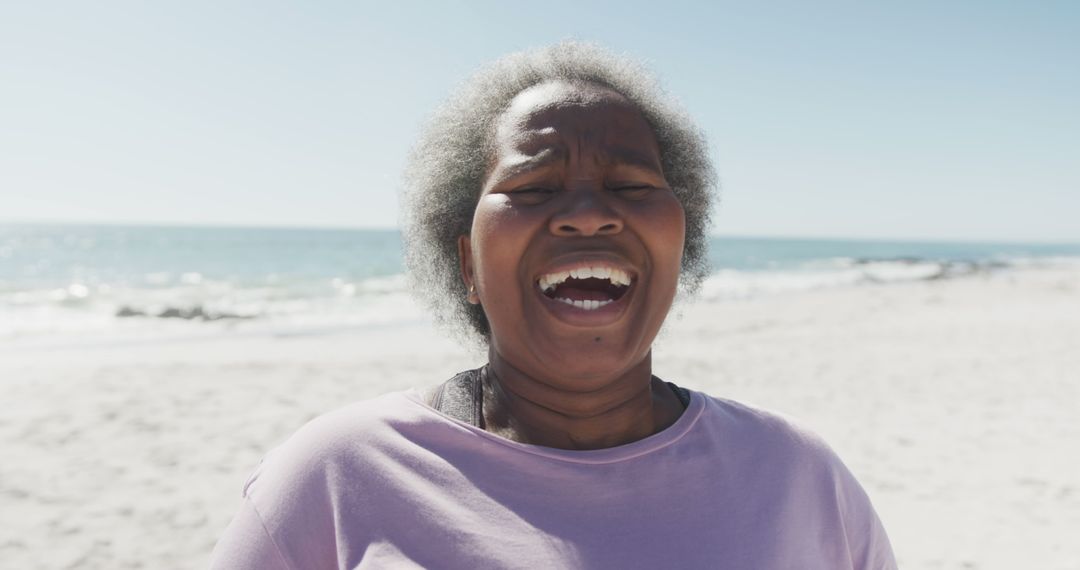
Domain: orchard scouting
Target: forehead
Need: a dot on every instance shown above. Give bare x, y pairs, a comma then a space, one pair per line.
545, 113
563, 94
547, 123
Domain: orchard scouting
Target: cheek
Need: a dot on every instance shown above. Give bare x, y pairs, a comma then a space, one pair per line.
500, 235
664, 231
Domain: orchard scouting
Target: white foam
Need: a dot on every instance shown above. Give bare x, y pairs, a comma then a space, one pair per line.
199, 306
84, 310
731, 284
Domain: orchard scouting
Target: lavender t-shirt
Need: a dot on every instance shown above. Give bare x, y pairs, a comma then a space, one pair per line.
391, 483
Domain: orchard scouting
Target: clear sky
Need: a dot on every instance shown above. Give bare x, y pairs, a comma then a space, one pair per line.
932, 120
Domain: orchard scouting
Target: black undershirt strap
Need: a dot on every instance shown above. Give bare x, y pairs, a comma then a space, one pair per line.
460, 397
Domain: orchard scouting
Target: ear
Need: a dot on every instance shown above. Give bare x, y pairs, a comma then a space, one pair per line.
465, 259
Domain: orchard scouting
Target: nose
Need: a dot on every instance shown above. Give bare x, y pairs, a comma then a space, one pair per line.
586, 213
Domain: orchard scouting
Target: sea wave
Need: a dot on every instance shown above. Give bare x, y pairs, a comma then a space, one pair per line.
190, 304
193, 304
734, 284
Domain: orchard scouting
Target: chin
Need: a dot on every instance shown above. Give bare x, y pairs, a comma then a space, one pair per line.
591, 362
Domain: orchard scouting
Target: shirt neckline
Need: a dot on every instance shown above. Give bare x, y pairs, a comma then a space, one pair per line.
627, 451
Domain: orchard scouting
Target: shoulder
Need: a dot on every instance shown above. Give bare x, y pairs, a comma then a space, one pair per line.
303, 487
300, 490
780, 444
334, 440
795, 466
768, 433
308, 471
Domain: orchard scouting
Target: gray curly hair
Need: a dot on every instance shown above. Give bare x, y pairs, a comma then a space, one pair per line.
446, 169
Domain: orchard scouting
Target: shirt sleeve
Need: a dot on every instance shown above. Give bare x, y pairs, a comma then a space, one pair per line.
875, 552
289, 516
247, 545
869, 544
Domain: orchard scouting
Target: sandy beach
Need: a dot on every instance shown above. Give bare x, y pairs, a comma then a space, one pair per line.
954, 401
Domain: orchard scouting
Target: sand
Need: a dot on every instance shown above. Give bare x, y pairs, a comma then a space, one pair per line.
955, 402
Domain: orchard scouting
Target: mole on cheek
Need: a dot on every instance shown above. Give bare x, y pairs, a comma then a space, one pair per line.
597, 339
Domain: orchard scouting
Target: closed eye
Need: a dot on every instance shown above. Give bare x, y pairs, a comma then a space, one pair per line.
633, 191
531, 194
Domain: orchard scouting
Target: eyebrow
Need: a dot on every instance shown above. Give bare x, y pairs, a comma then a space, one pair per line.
629, 157
545, 155
523, 163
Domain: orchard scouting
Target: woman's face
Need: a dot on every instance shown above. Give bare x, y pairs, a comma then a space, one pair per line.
577, 240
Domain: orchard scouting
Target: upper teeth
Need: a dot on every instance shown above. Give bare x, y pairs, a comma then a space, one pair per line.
616, 276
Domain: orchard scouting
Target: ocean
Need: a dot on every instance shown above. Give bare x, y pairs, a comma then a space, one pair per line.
92, 284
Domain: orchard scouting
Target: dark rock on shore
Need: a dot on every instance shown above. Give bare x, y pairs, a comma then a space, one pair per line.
187, 313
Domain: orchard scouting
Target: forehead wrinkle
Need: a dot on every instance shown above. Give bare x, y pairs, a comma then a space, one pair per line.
598, 144
523, 162
550, 143
527, 157
632, 158
535, 141
531, 139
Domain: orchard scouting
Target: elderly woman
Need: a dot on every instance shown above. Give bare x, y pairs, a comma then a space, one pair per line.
555, 206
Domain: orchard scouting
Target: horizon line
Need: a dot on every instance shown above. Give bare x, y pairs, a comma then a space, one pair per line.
394, 228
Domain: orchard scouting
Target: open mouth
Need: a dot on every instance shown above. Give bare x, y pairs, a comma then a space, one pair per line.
586, 287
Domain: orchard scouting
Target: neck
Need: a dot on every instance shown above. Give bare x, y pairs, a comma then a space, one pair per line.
630, 406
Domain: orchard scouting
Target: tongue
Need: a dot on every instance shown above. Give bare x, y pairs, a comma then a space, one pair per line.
590, 289
578, 294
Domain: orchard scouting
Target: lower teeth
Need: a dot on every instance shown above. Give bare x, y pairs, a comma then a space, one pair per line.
586, 304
